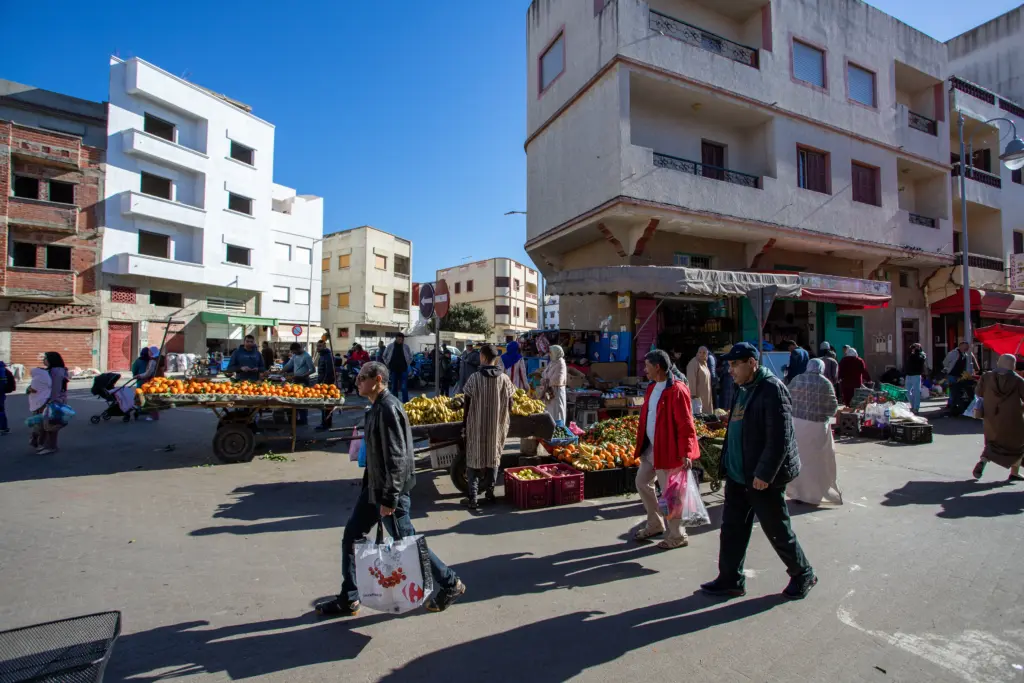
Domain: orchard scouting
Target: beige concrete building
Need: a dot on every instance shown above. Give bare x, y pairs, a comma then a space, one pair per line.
366, 290
785, 136
506, 290
992, 55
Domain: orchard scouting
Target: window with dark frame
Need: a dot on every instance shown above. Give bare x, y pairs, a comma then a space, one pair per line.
501, 310
469, 285
25, 187
153, 244
172, 299
812, 170
904, 280
155, 186
61, 192
458, 288
154, 125
956, 242
712, 160
1017, 177
861, 83
552, 62
22, 255
58, 257
864, 184
501, 281
237, 202
1018, 242
808, 64
238, 255
240, 152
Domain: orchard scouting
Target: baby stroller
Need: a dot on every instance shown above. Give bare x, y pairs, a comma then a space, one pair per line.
120, 400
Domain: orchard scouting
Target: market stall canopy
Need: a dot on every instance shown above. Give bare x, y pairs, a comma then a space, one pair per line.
229, 319
668, 280
998, 305
1001, 338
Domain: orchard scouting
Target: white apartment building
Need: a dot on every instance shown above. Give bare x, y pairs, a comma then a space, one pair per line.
188, 247
777, 136
992, 55
549, 312
366, 288
506, 290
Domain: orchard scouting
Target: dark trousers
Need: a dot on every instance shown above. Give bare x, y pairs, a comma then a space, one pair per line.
364, 518
489, 476
3, 412
327, 417
741, 505
399, 381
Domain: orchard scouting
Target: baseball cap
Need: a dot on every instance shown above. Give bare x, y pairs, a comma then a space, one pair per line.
742, 351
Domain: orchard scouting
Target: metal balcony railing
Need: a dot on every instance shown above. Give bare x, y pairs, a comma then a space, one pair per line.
698, 37
404, 276
979, 261
922, 123
706, 170
972, 89
977, 174
918, 219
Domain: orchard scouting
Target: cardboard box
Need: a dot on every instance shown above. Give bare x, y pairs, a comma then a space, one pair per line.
606, 376
615, 402
574, 382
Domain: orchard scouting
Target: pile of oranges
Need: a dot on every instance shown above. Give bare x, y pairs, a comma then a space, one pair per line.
594, 458
178, 387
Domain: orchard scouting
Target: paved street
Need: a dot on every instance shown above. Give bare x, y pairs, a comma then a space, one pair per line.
215, 568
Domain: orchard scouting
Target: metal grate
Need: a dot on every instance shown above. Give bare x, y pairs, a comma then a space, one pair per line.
216, 303
67, 651
972, 89
978, 261
922, 123
862, 85
698, 37
706, 170
122, 295
918, 219
1015, 109
808, 64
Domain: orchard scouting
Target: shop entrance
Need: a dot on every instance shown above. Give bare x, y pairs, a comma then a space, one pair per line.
685, 326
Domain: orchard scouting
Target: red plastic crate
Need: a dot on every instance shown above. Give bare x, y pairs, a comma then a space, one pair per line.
527, 495
566, 483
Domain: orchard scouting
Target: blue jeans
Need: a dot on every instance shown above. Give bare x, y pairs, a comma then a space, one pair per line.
363, 519
914, 391
399, 379
3, 412
953, 391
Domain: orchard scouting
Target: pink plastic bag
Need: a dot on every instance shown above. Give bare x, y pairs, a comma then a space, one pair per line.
672, 496
353, 446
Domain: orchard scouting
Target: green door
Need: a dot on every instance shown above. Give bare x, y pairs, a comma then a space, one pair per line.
842, 330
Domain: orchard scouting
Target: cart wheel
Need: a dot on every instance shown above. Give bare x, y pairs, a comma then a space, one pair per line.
716, 486
234, 443
95, 419
105, 415
458, 471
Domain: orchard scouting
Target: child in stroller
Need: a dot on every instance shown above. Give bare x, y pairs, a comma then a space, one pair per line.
120, 400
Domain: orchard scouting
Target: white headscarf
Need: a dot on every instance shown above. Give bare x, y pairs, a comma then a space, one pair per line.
1007, 363
556, 352
851, 352
816, 366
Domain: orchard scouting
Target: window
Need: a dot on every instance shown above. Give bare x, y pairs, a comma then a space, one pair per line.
812, 170
862, 85
342, 333
458, 287
325, 302
122, 295
469, 285
552, 62
325, 264
238, 255
380, 300
26, 187
846, 322
343, 300
515, 284
712, 160
786, 268
1018, 242
301, 296
956, 242
158, 127
372, 333
344, 260
303, 255
501, 281
281, 294
237, 202
58, 258
1016, 177
380, 262
152, 244
155, 186
865, 184
172, 299
904, 280
62, 193
282, 251
219, 303
23, 255
242, 153
516, 311
400, 301
808, 64
501, 310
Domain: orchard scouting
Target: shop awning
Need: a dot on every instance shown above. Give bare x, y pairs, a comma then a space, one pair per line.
667, 280
995, 305
232, 319
846, 292
846, 299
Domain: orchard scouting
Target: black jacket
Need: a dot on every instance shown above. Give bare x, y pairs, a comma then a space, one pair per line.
769, 443
389, 451
916, 362
325, 372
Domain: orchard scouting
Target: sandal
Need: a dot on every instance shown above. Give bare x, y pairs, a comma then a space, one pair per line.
338, 607
647, 533
673, 543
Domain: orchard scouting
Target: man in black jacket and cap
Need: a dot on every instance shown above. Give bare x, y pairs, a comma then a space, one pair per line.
759, 458
387, 485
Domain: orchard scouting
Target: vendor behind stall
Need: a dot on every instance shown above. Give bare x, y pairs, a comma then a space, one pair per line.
247, 361
552, 384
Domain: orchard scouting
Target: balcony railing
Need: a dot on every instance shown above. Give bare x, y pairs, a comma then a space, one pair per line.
706, 170
979, 261
698, 37
1012, 107
972, 89
918, 219
984, 177
404, 276
922, 123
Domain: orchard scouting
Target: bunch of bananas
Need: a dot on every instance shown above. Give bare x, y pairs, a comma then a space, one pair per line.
523, 405
427, 411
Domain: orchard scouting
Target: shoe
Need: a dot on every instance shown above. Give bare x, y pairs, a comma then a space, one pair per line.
647, 533
470, 503
4, 432
720, 589
338, 607
445, 599
46, 451
978, 470
800, 586
1015, 477
490, 497
673, 543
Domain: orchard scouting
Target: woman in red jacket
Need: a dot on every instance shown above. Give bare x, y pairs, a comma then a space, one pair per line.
666, 442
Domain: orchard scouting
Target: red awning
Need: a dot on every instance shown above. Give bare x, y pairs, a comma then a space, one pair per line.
997, 305
1001, 338
846, 299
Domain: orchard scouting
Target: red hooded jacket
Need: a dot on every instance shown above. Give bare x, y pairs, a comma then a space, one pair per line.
675, 435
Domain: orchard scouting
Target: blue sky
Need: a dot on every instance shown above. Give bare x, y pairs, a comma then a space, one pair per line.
409, 116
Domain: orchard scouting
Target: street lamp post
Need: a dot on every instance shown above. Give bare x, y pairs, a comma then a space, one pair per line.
309, 300
1013, 158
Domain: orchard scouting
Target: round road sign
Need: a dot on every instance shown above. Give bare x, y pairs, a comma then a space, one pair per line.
441, 299
427, 300
297, 330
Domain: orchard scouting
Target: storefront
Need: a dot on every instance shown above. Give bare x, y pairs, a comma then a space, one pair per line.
987, 308
226, 332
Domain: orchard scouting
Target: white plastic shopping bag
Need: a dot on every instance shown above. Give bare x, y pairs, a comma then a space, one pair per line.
694, 512
976, 409
393, 576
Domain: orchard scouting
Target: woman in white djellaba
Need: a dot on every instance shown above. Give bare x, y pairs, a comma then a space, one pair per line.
814, 404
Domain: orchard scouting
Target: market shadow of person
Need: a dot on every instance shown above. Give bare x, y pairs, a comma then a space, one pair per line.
563, 647
501, 517
240, 651
955, 426
955, 500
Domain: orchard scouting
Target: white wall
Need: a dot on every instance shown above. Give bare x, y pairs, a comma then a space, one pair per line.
297, 230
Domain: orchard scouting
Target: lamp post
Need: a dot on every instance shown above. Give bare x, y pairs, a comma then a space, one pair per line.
1013, 158
309, 301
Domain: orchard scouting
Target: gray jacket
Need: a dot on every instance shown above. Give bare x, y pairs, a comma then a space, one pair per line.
389, 451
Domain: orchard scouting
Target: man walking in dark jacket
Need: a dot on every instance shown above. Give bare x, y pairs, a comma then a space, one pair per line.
326, 373
760, 457
387, 485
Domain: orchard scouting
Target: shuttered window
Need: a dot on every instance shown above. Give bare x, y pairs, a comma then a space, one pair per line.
1016, 177
862, 85
864, 180
812, 170
1018, 242
808, 64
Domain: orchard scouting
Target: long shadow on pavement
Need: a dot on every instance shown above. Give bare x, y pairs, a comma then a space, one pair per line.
955, 500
